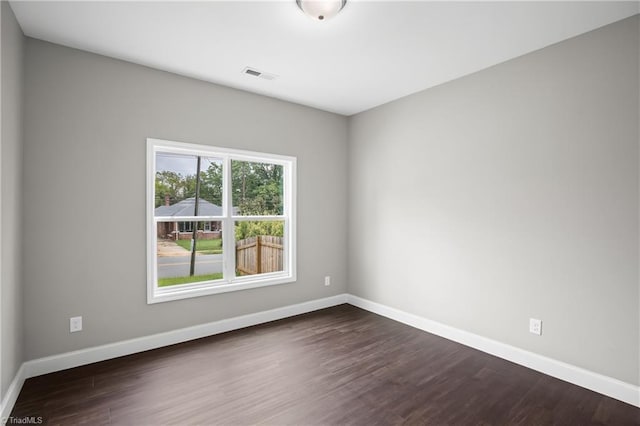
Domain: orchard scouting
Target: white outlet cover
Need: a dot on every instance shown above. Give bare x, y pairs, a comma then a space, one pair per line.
75, 324
535, 326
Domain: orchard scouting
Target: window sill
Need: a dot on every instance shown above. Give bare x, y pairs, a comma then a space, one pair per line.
160, 295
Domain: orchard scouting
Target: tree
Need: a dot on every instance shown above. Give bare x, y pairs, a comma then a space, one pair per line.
179, 187
211, 184
257, 188
172, 184
247, 229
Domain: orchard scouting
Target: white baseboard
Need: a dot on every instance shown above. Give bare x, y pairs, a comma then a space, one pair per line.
11, 396
599, 383
596, 382
63, 361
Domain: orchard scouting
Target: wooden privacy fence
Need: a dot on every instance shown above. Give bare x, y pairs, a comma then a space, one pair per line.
258, 255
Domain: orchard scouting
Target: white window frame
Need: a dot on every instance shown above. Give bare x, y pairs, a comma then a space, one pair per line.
229, 282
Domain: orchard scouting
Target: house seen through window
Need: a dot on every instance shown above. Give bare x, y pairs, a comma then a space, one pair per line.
219, 220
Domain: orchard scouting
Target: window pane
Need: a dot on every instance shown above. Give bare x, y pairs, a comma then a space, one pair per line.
257, 188
175, 185
175, 252
259, 247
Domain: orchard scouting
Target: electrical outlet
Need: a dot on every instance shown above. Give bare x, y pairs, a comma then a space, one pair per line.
327, 280
535, 326
75, 324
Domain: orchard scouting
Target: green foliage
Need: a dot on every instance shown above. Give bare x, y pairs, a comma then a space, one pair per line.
246, 229
211, 184
176, 186
257, 188
164, 282
203, 246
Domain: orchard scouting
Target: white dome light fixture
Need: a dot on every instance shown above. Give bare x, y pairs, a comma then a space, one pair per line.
321, 10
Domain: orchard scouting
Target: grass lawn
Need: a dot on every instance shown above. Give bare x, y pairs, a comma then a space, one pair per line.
203, 246
165, 282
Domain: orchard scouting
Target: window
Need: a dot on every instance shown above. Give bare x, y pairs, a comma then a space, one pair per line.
185, 227
218, 220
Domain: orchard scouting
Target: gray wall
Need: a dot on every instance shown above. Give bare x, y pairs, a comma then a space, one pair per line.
508, 194
87, 118
11, 170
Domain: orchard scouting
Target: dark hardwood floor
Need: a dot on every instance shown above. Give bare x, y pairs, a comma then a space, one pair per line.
340, 365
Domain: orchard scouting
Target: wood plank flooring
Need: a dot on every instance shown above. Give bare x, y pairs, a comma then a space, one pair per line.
336, 366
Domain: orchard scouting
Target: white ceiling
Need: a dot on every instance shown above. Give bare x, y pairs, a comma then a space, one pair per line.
371, 53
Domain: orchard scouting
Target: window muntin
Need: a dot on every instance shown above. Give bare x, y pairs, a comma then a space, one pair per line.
253, 199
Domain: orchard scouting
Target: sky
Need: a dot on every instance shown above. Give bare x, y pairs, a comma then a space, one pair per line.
182, 164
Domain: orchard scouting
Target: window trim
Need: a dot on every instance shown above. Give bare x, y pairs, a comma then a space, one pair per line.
157, 294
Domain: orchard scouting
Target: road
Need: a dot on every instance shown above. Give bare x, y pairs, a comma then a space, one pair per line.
178, 266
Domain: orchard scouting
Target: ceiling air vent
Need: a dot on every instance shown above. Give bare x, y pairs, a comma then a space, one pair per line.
256, 73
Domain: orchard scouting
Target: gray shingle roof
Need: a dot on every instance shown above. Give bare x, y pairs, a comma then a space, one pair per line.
187, 208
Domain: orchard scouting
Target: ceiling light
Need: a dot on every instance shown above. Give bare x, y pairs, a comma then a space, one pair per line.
321, 9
